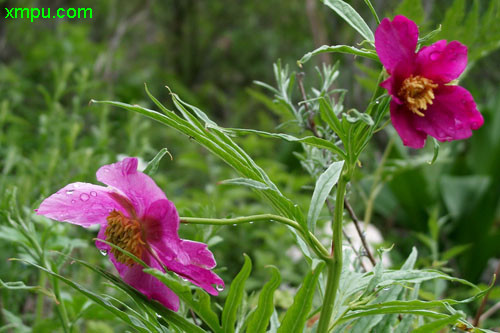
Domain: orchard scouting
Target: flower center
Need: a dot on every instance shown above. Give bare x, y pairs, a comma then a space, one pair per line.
125, 233
417, 92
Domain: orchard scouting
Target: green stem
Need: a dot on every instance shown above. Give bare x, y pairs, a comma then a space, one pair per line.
335, 266
308, 237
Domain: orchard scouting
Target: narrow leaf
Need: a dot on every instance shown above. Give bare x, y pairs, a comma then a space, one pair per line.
155, 162
344, 10
339, 49
437, 325
310, 140
296, 316
245, 182
259, 320
324, 185
200, 304
235, 296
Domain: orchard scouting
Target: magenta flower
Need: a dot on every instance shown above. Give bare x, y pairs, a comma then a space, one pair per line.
135, 215
423, 100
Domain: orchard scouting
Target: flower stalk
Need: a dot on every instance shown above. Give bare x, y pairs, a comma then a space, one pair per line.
307, 236
334, 266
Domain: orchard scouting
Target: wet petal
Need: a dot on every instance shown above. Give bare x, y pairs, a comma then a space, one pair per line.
452, 116
138, 187
396, 41
190, 265
403, 121
79, 203
199, 253
442, 61
146, 283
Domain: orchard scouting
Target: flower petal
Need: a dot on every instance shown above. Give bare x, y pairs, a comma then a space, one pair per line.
79, 203
161, 221
396, 41
442, 61
393, 83
187, 264
402, 120
146, 283
199, 253
452, 116
138, 187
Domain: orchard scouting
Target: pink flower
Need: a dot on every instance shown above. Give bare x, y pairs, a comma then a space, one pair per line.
135, 215
423, 101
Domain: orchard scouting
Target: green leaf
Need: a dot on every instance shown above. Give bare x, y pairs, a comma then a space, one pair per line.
436, 151
259, 319
430, 35
296, 316
155, 162
437, 325
310, 140
324, 185
133, 321
339, 49
245, 182
200, 302
235, 296
353, 116
344, 10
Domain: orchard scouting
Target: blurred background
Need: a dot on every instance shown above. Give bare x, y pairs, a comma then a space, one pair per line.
210, 52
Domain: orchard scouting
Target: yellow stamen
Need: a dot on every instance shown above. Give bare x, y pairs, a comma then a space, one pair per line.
125, 233
417, 93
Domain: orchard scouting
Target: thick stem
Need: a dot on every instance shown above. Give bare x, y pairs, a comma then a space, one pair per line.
307, 236
335, 266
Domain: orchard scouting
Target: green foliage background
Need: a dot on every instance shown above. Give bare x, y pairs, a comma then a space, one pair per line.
209, 52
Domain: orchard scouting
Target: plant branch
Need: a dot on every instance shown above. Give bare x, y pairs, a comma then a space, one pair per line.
477, 318
335, 267
360, 233
316, 245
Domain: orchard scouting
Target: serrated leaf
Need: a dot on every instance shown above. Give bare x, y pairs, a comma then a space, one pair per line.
339, 49
344, 10
235, 296
296, 316
324, 185
259, 319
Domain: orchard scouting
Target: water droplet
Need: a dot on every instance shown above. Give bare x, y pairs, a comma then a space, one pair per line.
93, 193
104, 252
434, 55
84, 197
377, 102
70, 192
73, 201
184, 279
234, 225
219, 287
251, 222
385, 289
